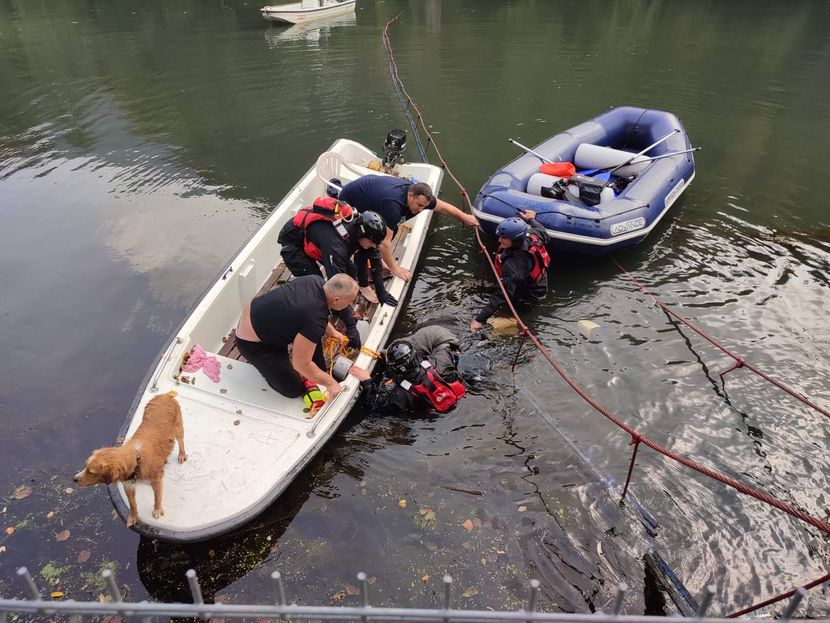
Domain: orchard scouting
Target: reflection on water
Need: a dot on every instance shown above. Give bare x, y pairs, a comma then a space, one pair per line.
311, 32
141, 144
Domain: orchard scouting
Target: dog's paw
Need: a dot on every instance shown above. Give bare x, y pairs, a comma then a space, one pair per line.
131, 520
158, 512
182, 458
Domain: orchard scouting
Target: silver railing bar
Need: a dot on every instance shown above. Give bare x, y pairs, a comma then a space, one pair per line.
534, 593
317, 612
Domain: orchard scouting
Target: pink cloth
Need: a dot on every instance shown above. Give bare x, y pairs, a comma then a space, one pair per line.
199, 359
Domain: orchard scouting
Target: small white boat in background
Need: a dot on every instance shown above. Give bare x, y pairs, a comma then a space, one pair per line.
306, 10
245, 441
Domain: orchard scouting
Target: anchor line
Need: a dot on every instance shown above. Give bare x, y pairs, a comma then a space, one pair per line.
637, 438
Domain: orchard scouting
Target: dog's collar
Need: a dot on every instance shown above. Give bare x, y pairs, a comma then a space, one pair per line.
132, 477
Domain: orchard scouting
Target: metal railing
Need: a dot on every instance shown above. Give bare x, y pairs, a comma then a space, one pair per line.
280, 609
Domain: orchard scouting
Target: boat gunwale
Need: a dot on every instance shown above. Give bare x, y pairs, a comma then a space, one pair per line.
165, 355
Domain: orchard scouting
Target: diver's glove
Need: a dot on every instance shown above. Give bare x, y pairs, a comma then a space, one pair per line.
354, 337
387, 299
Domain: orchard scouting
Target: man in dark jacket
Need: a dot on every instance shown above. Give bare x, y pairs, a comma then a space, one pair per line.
521, 264
331, 233
420, 374
397, 200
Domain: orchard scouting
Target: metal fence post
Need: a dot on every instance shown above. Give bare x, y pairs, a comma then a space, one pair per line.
798, 595
622, 589
447, 595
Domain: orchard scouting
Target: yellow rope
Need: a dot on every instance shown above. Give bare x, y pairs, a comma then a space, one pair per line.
368, 351
333, 347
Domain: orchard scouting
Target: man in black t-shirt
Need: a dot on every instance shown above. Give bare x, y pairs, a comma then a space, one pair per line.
397, 200
295, 314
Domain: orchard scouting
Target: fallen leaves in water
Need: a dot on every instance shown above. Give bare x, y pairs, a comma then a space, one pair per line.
352, 590
470, 592
468, 525
522, 509
425, 578
402, 503
23, 491
10, 531
83, 555
63, 535
69, 490
2, 549
426, 518
50, 514
56, 594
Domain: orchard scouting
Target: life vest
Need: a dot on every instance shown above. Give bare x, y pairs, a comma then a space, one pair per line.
440, 394
327, 209
537, 250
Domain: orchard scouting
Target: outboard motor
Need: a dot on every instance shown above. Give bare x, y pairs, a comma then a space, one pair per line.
393, 149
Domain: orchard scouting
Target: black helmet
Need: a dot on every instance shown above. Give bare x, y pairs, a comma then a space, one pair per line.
372, 226
400, 357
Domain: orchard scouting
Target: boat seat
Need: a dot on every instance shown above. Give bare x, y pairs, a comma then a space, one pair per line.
330, 165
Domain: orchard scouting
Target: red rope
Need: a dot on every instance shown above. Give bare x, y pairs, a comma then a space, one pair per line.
777, 598
525, 331
740, 362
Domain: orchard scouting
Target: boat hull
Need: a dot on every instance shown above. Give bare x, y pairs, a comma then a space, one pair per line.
295, 14
246, 442
622, 222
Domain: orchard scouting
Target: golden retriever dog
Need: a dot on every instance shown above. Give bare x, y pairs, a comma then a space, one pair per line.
142, 457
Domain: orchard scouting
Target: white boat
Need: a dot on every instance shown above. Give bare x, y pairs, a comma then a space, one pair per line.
306, 10
246, 442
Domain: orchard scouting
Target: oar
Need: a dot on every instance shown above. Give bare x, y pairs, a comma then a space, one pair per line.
674, 153
529, 150
637, 155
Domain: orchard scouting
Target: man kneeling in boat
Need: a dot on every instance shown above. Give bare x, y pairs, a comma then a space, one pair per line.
397, 200
521, 264
331, 232
421, 374
294, 315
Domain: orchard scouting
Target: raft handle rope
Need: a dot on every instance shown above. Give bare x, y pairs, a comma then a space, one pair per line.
637, 438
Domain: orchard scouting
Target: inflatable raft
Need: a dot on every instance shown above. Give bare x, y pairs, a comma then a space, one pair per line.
631, 163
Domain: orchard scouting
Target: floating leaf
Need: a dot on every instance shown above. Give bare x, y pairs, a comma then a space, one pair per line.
402, 503
470, 592
522, 509
9, 530
56, 594
23, 491
2, 549
83, 555
352, 590
371, 580
425, 578
50, 514
62, 535
468, 525
69, 490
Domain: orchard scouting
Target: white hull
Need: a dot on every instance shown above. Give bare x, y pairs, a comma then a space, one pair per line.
297, 13
245, 441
